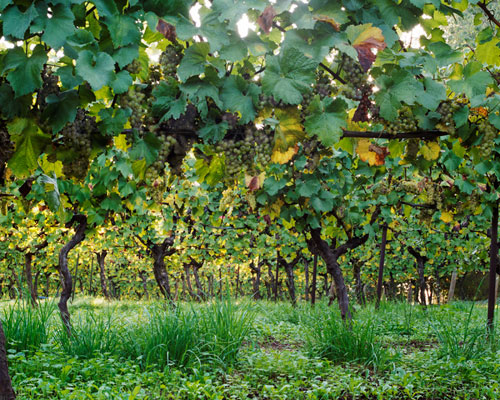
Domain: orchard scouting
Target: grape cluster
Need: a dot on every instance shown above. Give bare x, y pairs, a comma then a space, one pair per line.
412, 148
77, 138
405, 122
434, 195
489, 133
447, 109
266, 101
50, 86
231, 119
134, 67
255, 148
411, 187
141, 116
156, 169
6, 146
170, 59
323, 86
356, 79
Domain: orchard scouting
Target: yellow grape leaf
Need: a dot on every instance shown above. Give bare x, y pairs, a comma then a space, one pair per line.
289, 224
120, 142
430, 151
49, 167
364, 153
446, 216
290, 130
283, 157
266, 112
274, 210
371, 153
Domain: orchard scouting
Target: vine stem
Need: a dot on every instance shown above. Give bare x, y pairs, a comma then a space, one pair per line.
426, 135
489, 14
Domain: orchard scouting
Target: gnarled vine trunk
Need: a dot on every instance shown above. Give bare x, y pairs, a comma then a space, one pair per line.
64, 273
421, 260
28, 259
255, 267
290, 277
6, 390
159, 252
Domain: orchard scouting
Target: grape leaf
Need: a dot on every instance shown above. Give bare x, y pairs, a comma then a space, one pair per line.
396, 88
29, 141
97, 70
364, 39
288, 75
61, 109
430, 151
326, 119
123, 30
168, 103
59, 26
25, 74
240, 96
15, 22
146, 148
289, 130
194, 60
122, 82
113, 121
373, 154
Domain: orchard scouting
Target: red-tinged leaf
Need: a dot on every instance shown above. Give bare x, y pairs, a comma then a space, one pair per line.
381, 152
253, 184
328, 20
267, 218
369, 39
166, 30
265, 20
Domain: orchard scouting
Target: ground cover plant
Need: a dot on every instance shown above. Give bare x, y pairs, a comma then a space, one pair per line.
267, 351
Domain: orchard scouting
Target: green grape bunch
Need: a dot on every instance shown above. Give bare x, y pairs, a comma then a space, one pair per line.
447, 109
76, 138
170, 59
405, 122
248, 152
50, 86
489, 133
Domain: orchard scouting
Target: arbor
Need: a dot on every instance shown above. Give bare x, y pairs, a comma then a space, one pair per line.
312, 108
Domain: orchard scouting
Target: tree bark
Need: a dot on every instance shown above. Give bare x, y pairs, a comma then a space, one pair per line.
421, 260
144, 280
102, 273
381, 265
199, 287
360, 295
64, 273
6, 390
188, 281
290, 281
493, 267
159, 252
334, 269
256, 269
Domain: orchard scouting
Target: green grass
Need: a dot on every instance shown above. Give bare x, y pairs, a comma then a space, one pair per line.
230, 349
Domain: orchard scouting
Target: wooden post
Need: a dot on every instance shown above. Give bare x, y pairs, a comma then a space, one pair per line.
453, 284
381, 265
